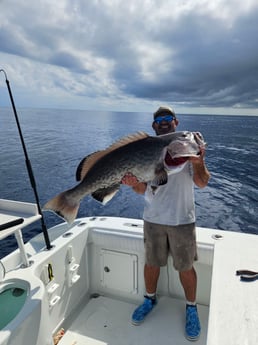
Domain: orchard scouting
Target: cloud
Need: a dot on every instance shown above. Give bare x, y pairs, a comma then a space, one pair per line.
196, 53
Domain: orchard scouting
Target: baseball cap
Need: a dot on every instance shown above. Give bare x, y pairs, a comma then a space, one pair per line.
164, 110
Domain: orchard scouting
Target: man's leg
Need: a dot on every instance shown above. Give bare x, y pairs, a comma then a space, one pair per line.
156, 253
189, 282
151, 276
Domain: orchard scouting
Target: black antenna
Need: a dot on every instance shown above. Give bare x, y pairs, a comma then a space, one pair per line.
28, 165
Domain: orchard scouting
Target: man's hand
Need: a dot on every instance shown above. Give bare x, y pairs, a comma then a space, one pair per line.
200, 158
201, 174
132, 181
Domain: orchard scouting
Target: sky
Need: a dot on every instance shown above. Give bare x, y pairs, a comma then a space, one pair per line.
197, 56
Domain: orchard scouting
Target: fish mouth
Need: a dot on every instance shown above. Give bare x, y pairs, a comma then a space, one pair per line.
185, 155
175, 161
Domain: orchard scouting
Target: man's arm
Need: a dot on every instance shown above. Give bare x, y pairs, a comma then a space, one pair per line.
201, 174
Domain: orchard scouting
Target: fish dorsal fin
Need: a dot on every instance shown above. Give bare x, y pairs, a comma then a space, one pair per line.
87, 163
126, 140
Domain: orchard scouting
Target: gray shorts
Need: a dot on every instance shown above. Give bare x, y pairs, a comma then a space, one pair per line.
162, 240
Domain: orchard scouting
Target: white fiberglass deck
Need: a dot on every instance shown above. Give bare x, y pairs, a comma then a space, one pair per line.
107, 321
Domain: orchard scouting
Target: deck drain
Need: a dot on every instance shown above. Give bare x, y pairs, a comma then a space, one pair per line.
217, 237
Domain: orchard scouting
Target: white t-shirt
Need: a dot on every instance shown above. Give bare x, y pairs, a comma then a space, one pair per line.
172, 203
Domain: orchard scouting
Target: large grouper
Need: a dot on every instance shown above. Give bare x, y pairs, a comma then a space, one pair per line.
141, 155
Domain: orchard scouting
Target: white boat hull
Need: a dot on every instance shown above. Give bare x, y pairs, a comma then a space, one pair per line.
92, 279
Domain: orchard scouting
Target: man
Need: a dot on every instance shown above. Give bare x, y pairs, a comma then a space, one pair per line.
169, 225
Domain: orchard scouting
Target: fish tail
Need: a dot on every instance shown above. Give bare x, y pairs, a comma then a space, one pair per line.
64, 206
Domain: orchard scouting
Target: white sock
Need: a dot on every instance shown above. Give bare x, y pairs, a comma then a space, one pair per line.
191, 303
151, 295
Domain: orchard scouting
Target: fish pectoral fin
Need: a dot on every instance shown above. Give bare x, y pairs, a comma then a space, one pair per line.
104, 195
160, 179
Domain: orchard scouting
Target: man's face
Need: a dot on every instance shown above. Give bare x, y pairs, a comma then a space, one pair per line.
164, 124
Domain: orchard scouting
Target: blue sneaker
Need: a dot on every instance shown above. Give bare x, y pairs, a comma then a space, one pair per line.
192, 325
143, 310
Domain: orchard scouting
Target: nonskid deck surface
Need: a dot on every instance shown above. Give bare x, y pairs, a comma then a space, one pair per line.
108, 321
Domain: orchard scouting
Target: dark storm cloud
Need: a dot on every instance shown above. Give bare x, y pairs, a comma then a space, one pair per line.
213, 64
65, 59
201, 53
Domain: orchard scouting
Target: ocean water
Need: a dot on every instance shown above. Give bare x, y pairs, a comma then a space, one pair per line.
57, 140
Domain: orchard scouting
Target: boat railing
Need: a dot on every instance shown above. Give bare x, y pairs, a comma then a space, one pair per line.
14, 216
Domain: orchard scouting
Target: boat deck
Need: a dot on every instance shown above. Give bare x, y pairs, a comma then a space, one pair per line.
107, 321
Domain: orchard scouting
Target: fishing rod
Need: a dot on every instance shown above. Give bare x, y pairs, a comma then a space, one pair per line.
28, 164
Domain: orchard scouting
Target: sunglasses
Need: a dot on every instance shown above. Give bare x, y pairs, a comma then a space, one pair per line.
167, 118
